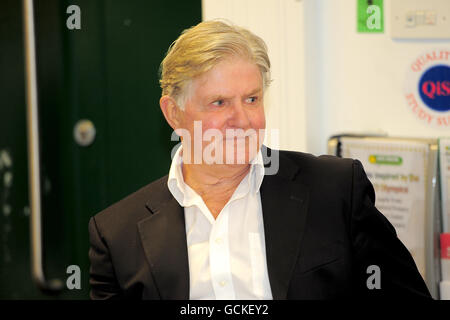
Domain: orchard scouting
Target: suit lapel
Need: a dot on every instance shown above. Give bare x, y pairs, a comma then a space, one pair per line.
284, 204
163, 237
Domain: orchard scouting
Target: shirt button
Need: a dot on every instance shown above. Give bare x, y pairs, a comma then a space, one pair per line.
222, 283
219, 241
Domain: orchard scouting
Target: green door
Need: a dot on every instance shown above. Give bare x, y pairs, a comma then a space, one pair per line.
107, 73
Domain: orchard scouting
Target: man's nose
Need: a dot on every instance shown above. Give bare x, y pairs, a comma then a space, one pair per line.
238, 117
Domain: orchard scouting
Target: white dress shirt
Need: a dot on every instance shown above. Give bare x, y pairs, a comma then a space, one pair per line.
227, 256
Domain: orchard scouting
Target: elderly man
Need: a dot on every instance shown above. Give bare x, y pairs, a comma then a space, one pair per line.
219, 226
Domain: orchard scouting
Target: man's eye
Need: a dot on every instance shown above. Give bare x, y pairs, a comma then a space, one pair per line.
218, 103
251, 100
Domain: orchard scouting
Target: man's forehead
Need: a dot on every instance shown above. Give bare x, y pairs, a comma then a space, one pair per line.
223, 92
230, 67
207, 88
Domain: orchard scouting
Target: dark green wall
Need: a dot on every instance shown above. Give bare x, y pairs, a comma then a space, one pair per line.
106, 72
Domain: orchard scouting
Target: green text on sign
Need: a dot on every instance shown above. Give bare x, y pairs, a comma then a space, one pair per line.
370, 17
385, 159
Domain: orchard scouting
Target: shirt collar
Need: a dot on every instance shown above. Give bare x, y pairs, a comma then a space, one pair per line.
186, 196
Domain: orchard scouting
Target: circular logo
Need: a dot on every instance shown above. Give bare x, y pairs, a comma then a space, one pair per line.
434, 88
427, 88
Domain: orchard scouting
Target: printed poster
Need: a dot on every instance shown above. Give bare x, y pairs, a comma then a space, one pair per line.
398, 172
444, 165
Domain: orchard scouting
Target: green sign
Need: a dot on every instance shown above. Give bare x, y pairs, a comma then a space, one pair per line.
370, 17
385, 159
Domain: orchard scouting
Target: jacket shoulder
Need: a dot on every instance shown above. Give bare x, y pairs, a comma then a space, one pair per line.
131, 209
319, 165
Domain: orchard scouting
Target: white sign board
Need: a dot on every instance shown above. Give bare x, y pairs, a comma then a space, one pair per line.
398, 172
444, 164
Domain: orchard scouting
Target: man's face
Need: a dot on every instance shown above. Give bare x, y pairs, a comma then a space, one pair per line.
226, 98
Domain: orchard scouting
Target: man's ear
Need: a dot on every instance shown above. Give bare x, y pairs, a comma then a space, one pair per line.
171, 111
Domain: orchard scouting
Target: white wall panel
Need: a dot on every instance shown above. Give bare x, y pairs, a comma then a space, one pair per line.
355, 80
280, 24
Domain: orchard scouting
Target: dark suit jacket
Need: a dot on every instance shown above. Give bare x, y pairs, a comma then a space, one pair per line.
321, 228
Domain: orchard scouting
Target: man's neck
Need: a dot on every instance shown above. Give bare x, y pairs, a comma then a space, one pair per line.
204, 178
214, 183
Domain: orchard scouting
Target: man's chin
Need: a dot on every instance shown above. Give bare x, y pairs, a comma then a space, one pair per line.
231, 154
